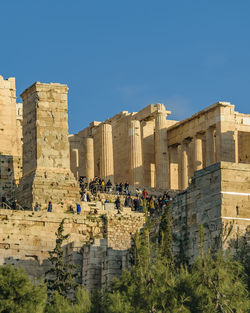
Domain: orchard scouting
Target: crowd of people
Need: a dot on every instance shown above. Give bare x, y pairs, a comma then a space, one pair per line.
143, 202
100, 185
140, 201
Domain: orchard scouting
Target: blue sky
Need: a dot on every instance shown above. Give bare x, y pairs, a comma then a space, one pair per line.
123, 55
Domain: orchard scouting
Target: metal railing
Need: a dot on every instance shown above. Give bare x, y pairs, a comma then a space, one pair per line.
10, 206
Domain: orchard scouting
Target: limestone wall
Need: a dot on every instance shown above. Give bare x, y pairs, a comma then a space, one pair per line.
10, 138
10, 174
8, 127
26, 237
106, 258
217, 196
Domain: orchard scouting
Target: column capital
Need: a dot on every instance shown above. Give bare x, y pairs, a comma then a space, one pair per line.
175, 145
187, 140
200, 135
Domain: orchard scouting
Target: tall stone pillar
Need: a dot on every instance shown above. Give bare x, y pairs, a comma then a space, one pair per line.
136, 170
10, 138
198, 156
161, 148
74, 157
106, 158
184, 165
173, 167
88, 143
46, 154
210, 146
8, 116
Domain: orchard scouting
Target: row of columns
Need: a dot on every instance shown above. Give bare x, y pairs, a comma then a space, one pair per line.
173, 166
192, 154
135, 174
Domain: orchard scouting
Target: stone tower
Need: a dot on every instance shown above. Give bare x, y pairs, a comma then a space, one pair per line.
10, 138
46, 162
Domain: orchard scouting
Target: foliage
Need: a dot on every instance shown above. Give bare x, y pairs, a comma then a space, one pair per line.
242, 255
165, 237
219, 284
213, 283
61, 276
18, 294
63, 305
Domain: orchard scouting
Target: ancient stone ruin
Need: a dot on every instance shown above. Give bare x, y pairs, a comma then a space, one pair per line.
203, 160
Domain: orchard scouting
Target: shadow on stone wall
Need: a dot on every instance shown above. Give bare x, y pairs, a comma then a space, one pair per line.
36, 268
101, 264
7, 177
97, 264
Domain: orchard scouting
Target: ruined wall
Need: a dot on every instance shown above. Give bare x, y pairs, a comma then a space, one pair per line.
108, 257
217, 196
27, 237
8, 129
10, 138
10, 174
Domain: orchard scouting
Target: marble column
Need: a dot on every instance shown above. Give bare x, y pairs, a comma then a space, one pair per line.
198, 156
184, 165
88, 144
106, 158
210, 146
173, 167
161, 149
136, 170
75, 161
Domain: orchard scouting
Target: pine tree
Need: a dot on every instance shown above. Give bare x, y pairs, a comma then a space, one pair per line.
165, 237
214, 283
18, 294
61, 276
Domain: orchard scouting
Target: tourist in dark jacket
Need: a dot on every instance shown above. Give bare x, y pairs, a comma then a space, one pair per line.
108, 186
118, 204
136, 203
50, 207
14, 205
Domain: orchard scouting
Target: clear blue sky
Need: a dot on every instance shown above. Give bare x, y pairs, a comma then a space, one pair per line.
123, 55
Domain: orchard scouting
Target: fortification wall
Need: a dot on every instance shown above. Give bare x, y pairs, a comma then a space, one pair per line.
10, 138
217, 198
8, 127
26, 238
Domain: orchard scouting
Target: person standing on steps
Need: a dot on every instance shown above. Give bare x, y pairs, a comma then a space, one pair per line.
50, 206
145, 194
108, 186
118, 204
37, 207
14, 205
78, 208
